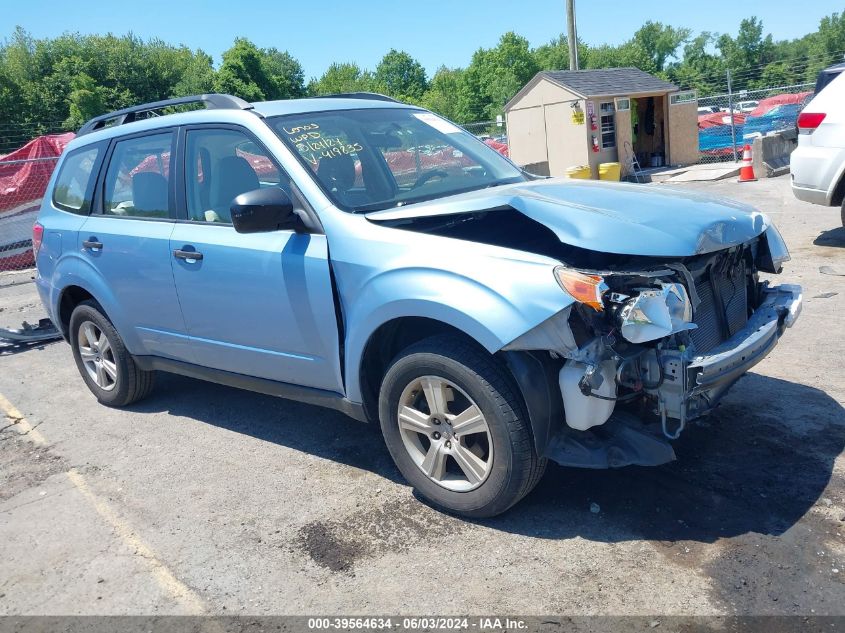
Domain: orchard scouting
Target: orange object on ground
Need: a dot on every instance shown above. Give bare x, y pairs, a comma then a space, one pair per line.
746, 172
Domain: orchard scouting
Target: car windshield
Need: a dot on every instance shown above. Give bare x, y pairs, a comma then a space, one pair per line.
379, 158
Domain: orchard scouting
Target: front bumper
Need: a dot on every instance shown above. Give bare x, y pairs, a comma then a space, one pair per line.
693, 386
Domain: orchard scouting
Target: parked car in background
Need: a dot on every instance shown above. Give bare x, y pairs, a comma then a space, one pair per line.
818, 163
746, 106
370, 256
708, 110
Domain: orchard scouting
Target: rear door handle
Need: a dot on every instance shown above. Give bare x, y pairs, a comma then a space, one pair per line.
93, 244
188, 256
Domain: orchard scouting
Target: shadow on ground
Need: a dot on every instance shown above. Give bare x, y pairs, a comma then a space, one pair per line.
756, 465
832, 237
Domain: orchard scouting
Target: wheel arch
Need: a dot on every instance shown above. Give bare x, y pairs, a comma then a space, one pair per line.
837, 196
533, 376
385, 343
70, 297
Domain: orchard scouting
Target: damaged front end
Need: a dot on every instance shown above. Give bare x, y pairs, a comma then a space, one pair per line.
644, 352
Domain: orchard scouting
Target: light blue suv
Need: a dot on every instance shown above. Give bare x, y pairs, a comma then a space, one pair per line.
361, 254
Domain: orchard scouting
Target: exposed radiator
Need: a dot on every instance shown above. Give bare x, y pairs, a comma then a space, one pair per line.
734, 295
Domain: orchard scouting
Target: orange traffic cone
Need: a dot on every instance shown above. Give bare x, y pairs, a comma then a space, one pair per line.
746, 172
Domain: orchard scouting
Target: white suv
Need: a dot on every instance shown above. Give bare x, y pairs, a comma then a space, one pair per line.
818, 163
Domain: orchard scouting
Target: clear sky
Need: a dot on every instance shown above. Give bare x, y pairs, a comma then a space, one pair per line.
436, 32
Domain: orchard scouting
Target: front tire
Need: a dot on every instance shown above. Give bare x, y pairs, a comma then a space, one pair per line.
104, 363
456, 427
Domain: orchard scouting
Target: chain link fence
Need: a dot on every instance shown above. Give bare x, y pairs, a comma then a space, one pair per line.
493, 133
22, 186
726, 122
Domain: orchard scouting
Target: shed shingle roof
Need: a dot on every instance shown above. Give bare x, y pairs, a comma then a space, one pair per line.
609, 81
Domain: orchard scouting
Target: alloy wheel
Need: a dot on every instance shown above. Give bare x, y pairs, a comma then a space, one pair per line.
445, 433
97, 355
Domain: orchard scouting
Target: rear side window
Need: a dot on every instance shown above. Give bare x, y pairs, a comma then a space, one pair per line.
74, 183
137, 181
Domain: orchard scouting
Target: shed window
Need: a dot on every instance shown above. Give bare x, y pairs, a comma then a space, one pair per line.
608, 125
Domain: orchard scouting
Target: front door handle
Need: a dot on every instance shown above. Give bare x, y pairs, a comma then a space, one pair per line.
188, 256
93, 244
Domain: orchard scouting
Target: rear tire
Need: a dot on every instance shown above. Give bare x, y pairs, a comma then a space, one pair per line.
486, 462
103, 361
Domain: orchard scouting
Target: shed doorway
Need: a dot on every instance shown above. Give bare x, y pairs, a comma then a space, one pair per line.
648, 128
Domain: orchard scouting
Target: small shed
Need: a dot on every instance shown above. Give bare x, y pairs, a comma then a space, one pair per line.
566, 118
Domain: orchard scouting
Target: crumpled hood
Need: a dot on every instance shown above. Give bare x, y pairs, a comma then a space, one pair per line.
619, 218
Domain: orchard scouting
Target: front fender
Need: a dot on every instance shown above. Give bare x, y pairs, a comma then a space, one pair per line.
492, 312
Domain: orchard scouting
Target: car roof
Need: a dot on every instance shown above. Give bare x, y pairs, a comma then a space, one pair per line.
320, 104
226, 115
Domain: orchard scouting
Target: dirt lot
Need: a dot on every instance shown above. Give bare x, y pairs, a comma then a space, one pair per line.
204, 499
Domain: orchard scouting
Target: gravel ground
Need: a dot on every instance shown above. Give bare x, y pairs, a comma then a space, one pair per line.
205, 499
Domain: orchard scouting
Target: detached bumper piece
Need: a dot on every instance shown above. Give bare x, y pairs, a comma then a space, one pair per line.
44, 331
622, 441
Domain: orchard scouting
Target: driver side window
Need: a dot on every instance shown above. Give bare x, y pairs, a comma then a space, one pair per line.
219, 166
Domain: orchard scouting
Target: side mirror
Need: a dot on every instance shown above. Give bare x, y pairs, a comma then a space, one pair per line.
264, 210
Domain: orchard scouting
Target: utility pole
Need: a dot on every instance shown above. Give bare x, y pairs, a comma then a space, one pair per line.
731, 108
571, 35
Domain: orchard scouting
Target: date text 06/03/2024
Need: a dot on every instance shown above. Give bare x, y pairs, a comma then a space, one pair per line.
417, 623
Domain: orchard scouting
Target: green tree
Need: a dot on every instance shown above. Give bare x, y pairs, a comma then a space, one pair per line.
400, 75
256, 74
658, 42
747, 53
241, 73
442, 95
197, 77
494, 76
699, 68
86, 100
825, 46
340, 78
285, 77
555, 54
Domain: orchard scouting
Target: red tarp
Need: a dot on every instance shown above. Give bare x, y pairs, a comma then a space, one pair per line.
502, 148
715, 119
23, 184
770, 102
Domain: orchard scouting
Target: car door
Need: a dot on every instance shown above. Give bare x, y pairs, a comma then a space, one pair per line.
254, 304
126, 245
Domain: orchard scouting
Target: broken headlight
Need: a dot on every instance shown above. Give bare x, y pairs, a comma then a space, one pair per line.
654, 313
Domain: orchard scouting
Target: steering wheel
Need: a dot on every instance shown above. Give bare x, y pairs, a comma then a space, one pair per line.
428, 175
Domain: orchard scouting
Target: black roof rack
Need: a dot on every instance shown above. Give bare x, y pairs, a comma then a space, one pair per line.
127, 115
372, 96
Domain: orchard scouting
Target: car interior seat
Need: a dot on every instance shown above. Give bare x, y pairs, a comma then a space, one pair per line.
150, 194
234, 176
338, 174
